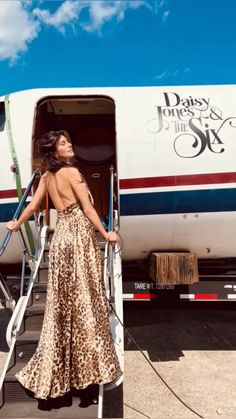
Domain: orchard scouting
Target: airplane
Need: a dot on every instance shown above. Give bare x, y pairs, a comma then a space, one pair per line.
172, 151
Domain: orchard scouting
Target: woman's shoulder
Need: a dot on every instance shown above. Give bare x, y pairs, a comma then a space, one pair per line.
66, 170
70, 172
45, 175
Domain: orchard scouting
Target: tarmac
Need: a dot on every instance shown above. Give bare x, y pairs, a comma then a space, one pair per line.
193, 348
190, 370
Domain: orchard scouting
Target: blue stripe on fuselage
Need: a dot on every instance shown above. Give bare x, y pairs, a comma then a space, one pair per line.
175, 202
172, 202
7, 211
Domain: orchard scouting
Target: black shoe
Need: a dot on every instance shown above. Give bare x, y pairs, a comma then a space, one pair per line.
89, 395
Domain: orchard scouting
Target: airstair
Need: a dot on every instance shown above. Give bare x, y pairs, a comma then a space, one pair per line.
24, 327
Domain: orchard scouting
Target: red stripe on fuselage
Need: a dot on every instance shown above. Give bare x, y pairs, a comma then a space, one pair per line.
160, 181
10, 193
180, 180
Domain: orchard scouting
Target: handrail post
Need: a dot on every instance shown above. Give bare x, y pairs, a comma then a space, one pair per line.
23, 273
110, 260
111, 206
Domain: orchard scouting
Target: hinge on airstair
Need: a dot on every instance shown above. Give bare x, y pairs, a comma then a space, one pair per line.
9, 301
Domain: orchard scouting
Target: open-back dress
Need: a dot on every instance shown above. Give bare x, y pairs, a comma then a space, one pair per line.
76, 348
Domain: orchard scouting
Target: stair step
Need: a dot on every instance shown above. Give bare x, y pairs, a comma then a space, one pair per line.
39, 293
10, 375
31, 410
34, 409
43, 275
113, 406
34, 317
13, 390
18, 399
26, 345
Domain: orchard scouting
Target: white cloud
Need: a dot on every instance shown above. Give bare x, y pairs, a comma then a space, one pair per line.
160, 76
159, 8
158, 5
102, 11
21, 21
67, 13
17, 29
99, 12
171, 73
165, 16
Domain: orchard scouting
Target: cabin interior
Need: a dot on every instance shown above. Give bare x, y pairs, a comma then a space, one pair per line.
90, 122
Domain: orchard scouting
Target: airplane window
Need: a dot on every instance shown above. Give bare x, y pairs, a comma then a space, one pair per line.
2, 116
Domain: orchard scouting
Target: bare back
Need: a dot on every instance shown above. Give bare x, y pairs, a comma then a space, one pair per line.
60, 189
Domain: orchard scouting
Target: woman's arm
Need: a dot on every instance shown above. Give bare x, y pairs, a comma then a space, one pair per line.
31, 208
79, 188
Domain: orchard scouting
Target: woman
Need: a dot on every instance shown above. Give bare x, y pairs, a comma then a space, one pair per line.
75, 347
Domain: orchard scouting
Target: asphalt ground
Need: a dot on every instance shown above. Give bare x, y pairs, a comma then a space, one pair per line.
193, 348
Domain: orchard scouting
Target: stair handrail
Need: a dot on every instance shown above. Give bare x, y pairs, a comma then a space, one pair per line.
113, 283
21, 204
111, 200
110, 247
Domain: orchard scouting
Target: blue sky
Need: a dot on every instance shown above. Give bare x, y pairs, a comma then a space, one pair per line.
116, 43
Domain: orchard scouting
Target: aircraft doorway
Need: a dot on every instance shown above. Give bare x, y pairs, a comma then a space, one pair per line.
90, 122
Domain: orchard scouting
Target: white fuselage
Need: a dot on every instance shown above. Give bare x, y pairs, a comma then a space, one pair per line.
176, 149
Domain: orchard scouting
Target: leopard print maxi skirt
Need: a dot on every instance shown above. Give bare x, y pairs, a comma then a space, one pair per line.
76, 347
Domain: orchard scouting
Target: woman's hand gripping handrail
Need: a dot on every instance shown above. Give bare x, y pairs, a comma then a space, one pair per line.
8, 233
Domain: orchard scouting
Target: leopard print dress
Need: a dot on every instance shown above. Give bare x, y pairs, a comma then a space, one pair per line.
76, 348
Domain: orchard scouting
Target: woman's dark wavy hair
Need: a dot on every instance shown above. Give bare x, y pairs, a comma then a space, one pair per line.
47, 148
